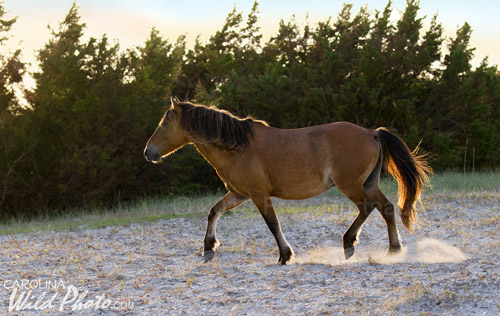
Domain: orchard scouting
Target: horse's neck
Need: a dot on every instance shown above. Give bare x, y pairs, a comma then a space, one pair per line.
215, 156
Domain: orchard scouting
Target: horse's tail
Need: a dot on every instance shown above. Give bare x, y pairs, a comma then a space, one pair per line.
410, 169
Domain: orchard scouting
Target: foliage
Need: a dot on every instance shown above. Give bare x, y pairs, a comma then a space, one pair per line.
80, 139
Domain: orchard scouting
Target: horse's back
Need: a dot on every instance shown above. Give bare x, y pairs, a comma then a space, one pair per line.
300, 163
340, 140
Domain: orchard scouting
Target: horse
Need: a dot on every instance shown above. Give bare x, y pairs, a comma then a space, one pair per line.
257, 162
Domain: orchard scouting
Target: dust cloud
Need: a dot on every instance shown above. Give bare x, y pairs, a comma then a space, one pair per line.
427, 250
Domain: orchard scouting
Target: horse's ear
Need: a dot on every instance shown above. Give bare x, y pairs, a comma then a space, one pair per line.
175, 101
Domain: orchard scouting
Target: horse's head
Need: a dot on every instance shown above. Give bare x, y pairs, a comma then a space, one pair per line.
168, 137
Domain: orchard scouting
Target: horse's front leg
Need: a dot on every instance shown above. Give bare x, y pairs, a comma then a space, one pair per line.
229, 201
266, 209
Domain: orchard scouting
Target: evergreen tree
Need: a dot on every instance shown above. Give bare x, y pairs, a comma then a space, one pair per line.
11, 70
81, 138
14, 146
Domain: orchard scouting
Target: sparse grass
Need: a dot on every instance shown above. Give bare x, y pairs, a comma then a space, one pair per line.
147, 210
153, 209
453, 182
470, 182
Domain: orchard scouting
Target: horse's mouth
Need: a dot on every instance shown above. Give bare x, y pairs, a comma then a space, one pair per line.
157, 161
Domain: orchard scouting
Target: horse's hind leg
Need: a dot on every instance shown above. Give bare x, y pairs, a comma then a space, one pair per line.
266, 209
366, 201
386, 208
365, 207
229, 201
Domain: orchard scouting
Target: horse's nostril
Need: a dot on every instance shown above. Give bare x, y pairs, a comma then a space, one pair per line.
151, 154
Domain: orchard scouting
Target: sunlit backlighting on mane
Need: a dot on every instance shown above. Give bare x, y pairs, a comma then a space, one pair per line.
215, 127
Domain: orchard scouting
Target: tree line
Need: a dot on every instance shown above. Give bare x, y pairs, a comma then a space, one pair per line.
79, 141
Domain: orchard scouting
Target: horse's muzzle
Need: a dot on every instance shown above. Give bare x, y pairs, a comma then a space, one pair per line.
151, 155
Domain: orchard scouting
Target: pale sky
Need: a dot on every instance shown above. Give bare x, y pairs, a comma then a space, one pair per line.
130, 21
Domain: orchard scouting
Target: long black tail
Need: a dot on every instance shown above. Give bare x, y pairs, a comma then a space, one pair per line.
410, 169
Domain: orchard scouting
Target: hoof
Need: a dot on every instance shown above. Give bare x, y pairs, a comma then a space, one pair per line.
348, 252
393, 251
285, 257
282, 261
208, 255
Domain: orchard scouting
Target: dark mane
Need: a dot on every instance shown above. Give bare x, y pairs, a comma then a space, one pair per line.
215, 127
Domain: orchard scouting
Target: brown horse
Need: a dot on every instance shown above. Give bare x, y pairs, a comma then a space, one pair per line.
256, 161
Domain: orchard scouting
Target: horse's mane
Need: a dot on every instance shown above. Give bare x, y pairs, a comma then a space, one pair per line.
215, 127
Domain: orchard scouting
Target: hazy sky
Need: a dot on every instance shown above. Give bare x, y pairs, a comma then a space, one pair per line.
130, 21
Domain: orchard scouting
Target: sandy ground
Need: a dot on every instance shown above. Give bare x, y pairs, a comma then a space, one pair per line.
450, 265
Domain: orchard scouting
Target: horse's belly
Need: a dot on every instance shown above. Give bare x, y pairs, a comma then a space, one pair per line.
299, 188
